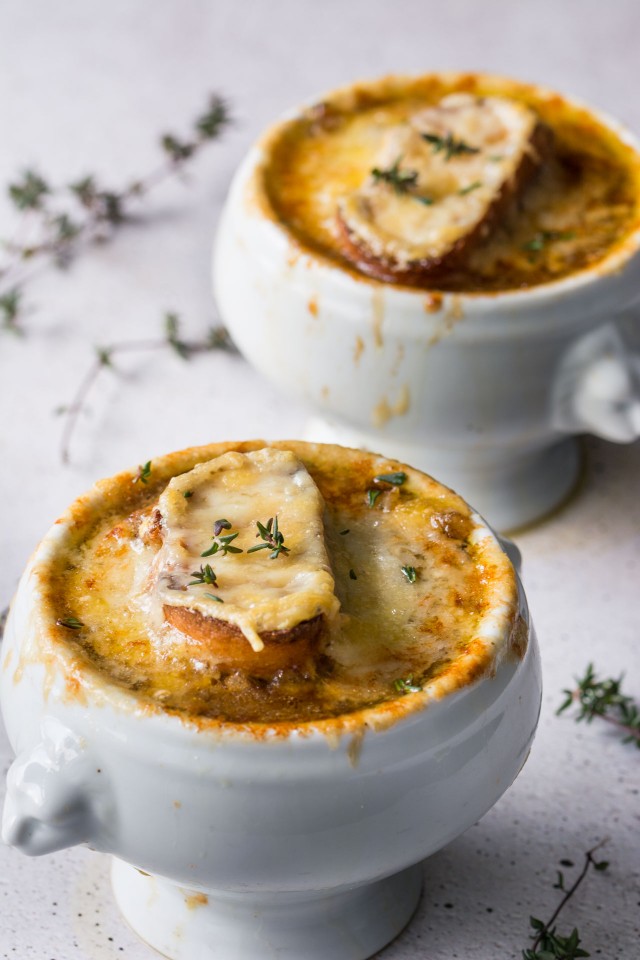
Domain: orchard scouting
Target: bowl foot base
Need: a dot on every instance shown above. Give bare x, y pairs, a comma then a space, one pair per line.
509, 488
184, 924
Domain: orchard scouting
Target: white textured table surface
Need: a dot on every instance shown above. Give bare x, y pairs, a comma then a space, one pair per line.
85, 87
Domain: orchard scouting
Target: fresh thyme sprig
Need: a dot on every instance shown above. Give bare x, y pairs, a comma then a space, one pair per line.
272, 536
143, 474
56, 222
203, 575
222, 544
403, 181
550, 945
216, 338
604, 699
448, 145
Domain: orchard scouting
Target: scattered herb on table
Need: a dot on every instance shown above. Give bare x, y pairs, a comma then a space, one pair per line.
273, 538
216, 338
548, 944
604, 699
448, 145
92, 212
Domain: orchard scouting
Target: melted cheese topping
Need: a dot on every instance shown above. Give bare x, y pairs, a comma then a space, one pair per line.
582, 202
479, 145
258, 592
391, 631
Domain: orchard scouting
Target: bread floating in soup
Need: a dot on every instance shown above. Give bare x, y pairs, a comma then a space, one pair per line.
287, 581
453, 183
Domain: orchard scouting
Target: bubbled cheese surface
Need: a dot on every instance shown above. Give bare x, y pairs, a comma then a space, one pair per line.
255, 591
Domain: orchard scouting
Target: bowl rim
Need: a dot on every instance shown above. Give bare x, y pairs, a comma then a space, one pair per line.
503, 632
612, 264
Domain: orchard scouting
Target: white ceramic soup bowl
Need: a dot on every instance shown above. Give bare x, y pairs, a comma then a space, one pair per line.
485, 391
240, 841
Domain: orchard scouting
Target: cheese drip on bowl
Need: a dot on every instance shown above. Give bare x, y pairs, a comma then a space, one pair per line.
259, 591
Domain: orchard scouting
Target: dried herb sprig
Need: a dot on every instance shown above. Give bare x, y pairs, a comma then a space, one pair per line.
548, 944
216, 338
448, 145
604, 699
56, 222
272, 536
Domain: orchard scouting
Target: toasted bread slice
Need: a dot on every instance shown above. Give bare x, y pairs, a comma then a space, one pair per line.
440, 186
294, 648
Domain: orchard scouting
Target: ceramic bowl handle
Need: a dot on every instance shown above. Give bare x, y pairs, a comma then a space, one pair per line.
53, 794
598, 388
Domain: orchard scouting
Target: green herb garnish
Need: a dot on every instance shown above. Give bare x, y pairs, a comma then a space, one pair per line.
372, 496
272, 537
410, 573
143, 474
212, 596
71, 623
187, 494
402, 181
352, 575
222, 544
406, 685
541, 239
472, 186
395, 479
203, 575
448, 145
343, 533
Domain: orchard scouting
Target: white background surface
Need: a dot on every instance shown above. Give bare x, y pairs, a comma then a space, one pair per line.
86, 87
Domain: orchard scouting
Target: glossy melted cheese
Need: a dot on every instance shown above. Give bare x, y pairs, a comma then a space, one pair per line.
256, 592
454, 187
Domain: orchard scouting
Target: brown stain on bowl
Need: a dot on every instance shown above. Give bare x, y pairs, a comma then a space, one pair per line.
377, 303
384, 410
195, 900
358, 350
433, 303
312, 306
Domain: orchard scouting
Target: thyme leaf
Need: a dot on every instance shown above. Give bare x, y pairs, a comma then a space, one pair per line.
203, 575
71, 623
410, 573
603, 698
222, 544
395, 479
143, 474
403, 181
448, 145
272, 536
212, 596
